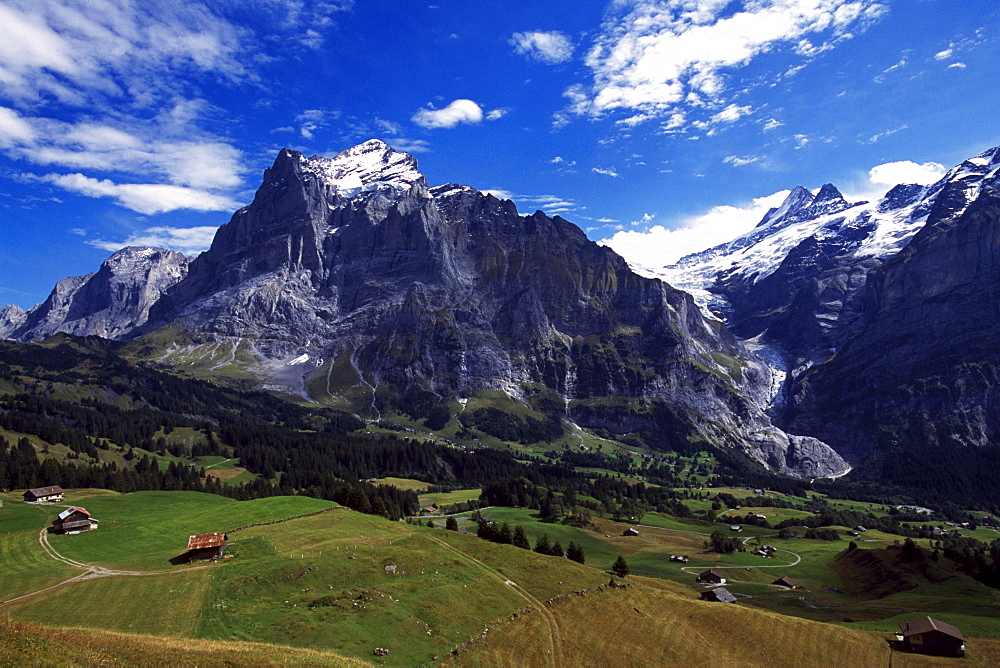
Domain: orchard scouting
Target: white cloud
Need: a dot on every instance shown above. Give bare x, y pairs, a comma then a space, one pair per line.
496, 114
659, 57
547, 47
147, 198
772, 123
459, 111
187, 240
740, 161
659, 245
944, 55
731, 114
906, 171
960, 66
605, 172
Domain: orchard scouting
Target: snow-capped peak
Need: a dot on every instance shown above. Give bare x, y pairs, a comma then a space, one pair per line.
372, 165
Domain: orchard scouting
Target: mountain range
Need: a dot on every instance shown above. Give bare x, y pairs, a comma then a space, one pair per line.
831, 332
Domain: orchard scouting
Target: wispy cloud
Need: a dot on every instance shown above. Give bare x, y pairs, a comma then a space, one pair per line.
741, 161
606, 172
663, 57
886, 133
187, 240
312, 120
548, 47
121, 80
146, 198
550, 204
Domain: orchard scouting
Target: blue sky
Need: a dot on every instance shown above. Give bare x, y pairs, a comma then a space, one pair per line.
659, 126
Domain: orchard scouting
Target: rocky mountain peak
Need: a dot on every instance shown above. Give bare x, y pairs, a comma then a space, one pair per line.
827, 200
796, 202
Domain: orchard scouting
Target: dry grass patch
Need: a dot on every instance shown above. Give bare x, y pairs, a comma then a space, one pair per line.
34, 645
642, 626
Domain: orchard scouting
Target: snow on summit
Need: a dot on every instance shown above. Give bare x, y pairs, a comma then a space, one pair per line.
371, 165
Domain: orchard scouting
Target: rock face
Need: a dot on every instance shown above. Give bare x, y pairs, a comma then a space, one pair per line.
867, 307
111, 303
353, 267
923, 367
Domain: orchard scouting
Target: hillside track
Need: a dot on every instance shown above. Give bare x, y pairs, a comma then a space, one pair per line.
551, 623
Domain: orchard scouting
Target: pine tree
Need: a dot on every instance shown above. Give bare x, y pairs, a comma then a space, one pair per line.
620, 567
556, 550
451, 524
542, 544
575, 553
520, 539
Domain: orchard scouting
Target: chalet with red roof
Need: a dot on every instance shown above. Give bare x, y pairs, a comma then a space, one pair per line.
206, 546
74, 520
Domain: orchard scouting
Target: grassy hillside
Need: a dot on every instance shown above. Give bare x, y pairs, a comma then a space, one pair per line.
650, 626
34, 645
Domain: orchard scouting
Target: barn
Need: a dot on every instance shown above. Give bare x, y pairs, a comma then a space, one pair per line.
44, 494
711, 576
718, 595
786, 582
73, 520
206, 546
930, 636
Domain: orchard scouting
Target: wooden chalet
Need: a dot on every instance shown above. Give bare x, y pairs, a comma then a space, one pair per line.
206, 546
718, 595
930, 636
630, 532
44, 494
711, 576
786, 582
74, 520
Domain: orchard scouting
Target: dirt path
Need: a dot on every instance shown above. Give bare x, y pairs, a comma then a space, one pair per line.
555, 642
90, 572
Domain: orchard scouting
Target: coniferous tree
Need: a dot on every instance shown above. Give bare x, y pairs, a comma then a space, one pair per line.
451, 524
520, 539
620, 567
575, 553
542, 544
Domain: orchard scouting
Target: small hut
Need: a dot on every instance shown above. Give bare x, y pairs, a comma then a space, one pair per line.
786, 581
930, 636
631, 531
711, 576
206, 546
44, 494
718, 595
74, 520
